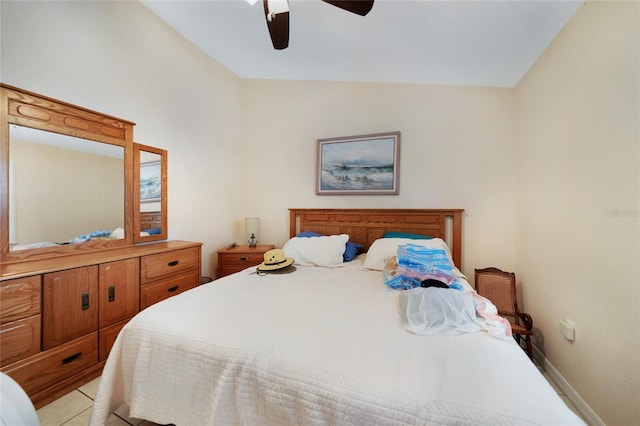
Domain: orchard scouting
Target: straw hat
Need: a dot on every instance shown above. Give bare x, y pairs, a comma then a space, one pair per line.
273, 260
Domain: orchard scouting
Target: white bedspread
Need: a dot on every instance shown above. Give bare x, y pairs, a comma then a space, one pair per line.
315, 347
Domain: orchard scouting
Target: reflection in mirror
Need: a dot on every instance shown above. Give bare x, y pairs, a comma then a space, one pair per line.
151, 219
150, 165
63, 190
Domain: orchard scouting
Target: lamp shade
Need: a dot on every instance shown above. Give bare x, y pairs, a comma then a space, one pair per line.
252, 229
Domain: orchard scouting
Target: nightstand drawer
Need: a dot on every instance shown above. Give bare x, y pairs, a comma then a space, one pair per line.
241, 259
160, 265
236, 259
223, 271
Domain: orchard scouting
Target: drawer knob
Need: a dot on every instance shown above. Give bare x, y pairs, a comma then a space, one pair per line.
173, 263
172, 289
244, 258
71, 358
112, 293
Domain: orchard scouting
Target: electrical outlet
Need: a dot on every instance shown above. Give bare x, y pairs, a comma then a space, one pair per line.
568, 329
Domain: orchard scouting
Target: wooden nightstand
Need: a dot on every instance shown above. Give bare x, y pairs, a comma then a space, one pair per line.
241, 257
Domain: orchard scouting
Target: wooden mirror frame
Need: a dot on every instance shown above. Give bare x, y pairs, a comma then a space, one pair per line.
137, 219
28, 109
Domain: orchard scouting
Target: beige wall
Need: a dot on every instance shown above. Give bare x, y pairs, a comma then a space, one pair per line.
456, 152
120, 59
577, 217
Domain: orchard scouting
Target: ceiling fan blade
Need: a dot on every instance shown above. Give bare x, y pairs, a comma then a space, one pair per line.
278, 24
360, 7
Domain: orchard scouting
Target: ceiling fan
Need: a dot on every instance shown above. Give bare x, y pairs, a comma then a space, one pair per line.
276, 13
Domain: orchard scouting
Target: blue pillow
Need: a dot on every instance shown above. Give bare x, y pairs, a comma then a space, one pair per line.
351, 249
309, 234
153, 231
394, 234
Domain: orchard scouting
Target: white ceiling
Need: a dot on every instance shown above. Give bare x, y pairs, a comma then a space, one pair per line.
468, 43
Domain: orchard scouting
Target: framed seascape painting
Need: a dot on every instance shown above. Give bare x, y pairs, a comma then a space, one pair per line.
150, 189
359, 165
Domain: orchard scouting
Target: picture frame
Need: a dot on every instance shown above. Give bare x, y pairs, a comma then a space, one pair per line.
150, 182
359, 165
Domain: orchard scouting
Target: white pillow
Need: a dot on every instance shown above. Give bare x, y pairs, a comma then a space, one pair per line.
384, 248
317, 251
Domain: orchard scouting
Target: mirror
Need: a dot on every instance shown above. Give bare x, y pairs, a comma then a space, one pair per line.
150, 193
78, 184
58, 162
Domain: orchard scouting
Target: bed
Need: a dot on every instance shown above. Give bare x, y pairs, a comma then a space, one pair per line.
321, 346
98, 234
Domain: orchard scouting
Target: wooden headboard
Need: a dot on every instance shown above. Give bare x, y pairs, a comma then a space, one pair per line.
364, 226
150, 220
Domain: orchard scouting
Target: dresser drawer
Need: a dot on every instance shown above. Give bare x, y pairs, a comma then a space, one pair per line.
20, 339
160, 265
107, 337
46, 368
155, 292
19, 298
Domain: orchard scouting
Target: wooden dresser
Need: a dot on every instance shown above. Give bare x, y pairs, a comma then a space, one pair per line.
59, 317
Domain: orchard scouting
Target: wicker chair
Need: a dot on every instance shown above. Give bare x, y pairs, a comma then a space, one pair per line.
500, 288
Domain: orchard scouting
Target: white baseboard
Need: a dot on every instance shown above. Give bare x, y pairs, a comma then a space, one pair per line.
583, 408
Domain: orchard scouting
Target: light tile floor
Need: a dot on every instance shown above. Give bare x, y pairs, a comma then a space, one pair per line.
74, 409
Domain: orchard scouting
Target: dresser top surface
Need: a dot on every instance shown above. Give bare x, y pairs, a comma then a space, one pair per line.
41, 266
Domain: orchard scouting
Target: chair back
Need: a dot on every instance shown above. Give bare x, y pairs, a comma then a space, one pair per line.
500, 288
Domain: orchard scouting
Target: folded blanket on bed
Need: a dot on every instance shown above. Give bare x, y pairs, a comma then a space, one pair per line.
432, 263
415, 264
